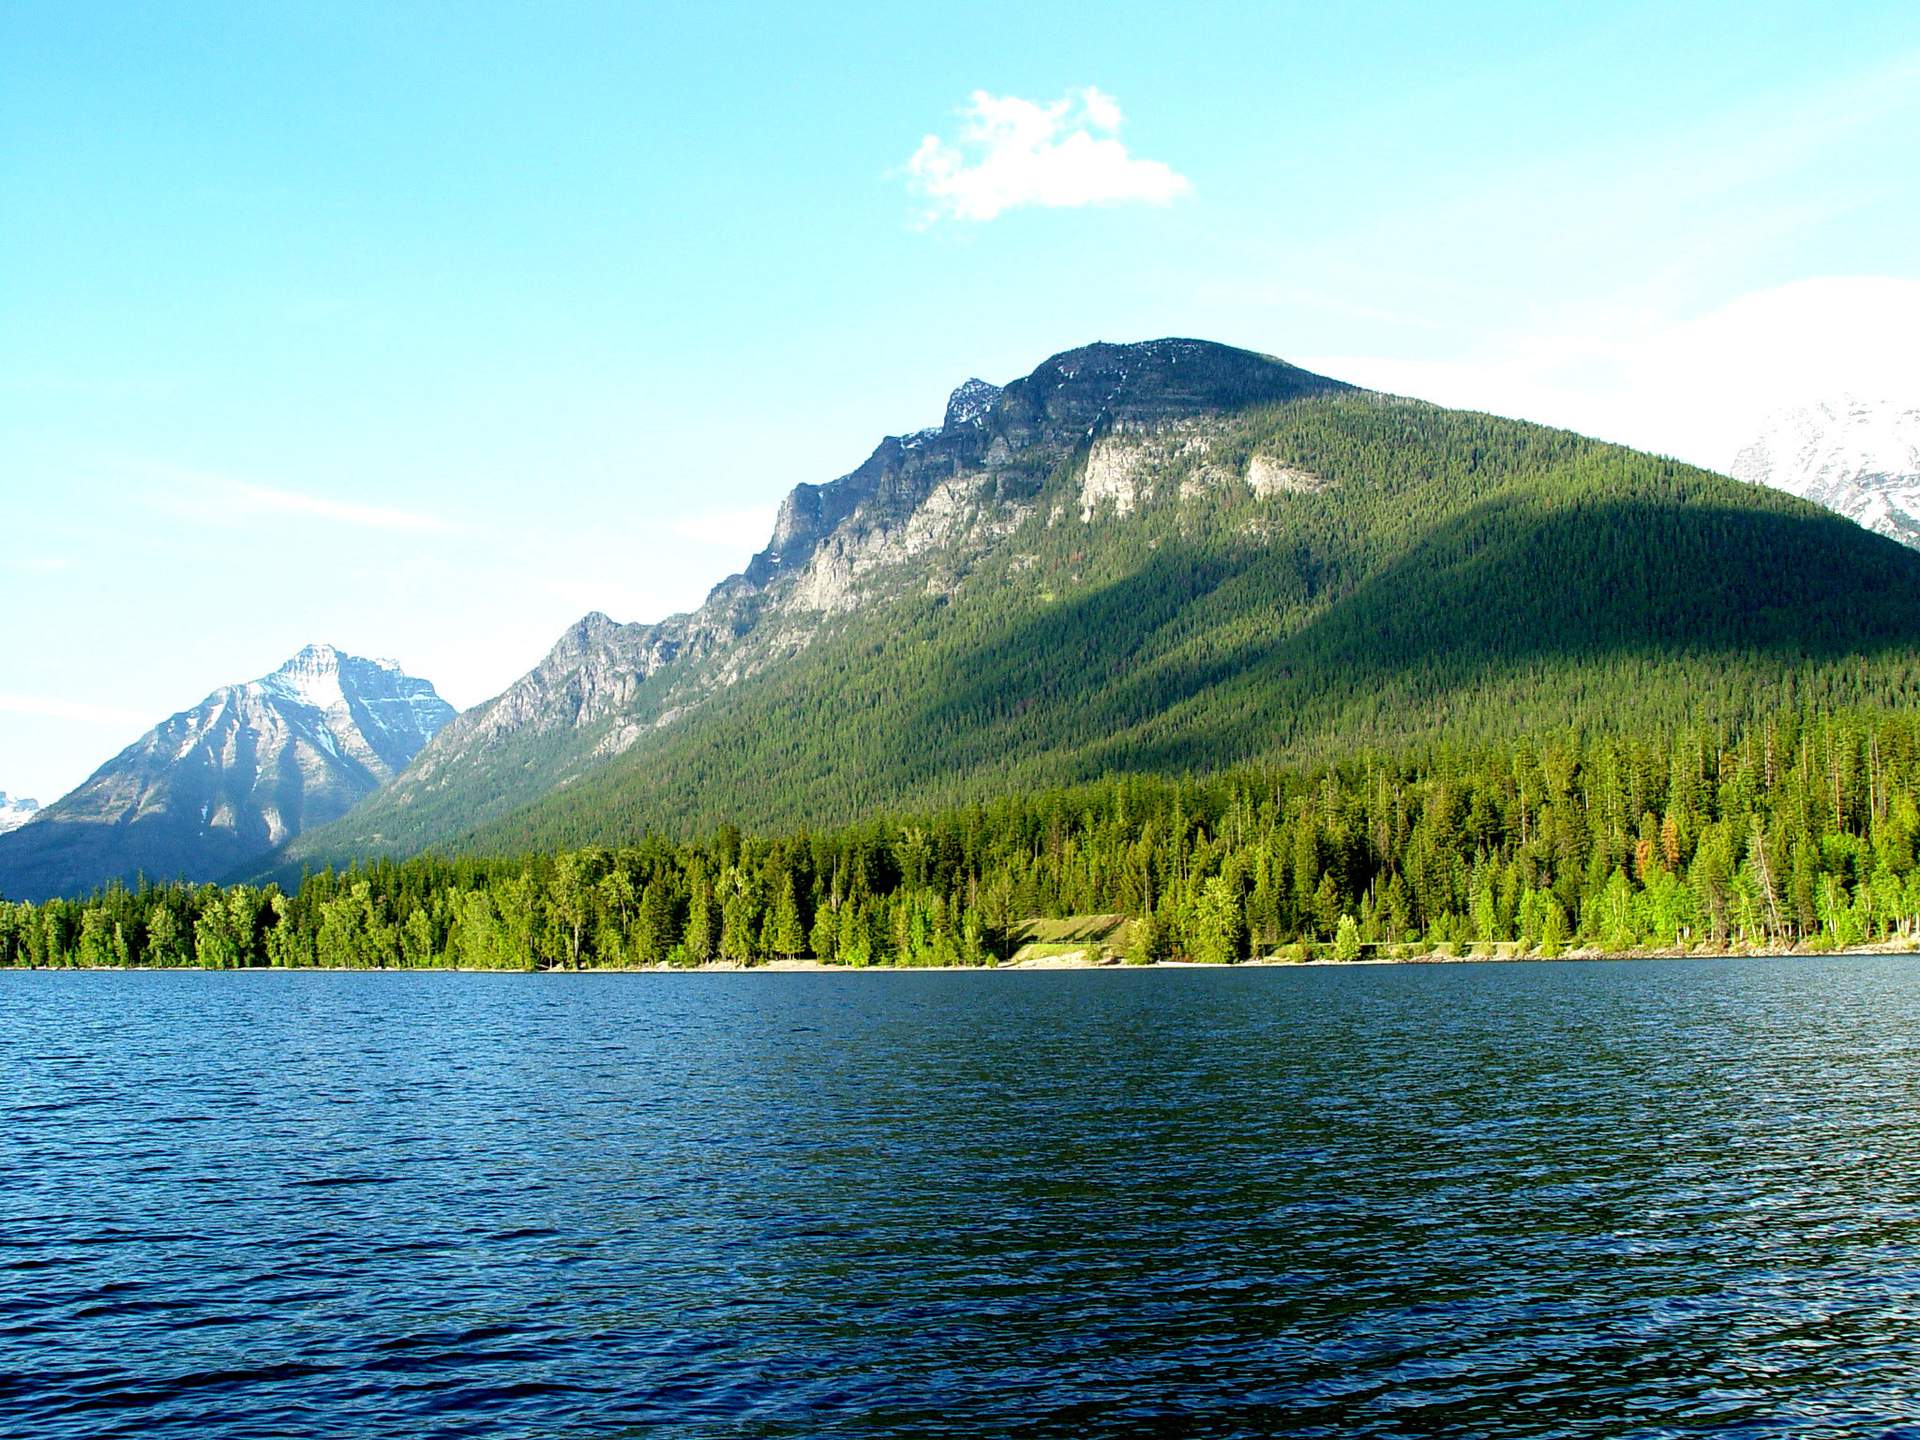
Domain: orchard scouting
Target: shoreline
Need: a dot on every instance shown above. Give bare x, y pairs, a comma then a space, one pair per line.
1909, 946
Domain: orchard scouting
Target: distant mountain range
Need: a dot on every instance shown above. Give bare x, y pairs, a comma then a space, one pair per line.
213, 788
16, 811
1165, 556
1858, 458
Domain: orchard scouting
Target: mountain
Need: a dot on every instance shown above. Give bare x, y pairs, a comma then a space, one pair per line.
1858, 458
16, 811
215, 787
1169, 556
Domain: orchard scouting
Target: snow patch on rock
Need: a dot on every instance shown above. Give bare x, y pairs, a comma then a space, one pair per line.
971, 403
310, 678
16, 811
1857, 457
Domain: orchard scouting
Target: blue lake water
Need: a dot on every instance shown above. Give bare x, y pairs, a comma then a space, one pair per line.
1544, 1200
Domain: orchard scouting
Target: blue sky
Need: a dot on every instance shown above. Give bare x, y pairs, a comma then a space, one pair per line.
425, 329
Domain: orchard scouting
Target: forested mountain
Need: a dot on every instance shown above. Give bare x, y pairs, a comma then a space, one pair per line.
1859, 458
217, 786
1169, 557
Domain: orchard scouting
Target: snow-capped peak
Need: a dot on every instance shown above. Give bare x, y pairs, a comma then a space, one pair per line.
16, 811
1858, 457
310, 678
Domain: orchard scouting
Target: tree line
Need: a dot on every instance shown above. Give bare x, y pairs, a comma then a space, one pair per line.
1799, 830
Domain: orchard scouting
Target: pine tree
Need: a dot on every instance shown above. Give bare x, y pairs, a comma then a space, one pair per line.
737, 916
700, 938
784, 934
824, 939
653, 928
1220, 930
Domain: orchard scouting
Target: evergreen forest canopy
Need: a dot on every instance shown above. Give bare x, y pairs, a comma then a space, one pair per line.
1434, 577
1799, 829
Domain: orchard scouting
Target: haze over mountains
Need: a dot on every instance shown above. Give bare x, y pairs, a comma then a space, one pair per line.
1859, 458
215, 787
1169, 556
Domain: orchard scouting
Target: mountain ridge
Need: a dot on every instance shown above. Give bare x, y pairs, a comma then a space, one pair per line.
1163, 556
830, 547
216, 785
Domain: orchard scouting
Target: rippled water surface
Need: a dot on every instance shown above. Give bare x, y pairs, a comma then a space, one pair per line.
1633, 1199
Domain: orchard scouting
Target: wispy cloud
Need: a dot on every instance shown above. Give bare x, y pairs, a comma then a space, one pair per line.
37, 564
51, 708
1058, 154
220, 499
260, 500
1696, 387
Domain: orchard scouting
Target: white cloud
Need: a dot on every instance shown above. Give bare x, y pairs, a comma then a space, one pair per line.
259, 500
218, 499
1695, 387
38, 564
1060, 153
50, 708
743, 530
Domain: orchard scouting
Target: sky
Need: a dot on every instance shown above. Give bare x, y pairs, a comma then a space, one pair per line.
424, 329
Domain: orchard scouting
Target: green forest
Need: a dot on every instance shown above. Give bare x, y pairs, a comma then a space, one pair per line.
1797, 830
1456, 578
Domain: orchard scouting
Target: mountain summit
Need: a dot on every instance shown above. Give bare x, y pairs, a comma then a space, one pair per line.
914, 520
1169, 556
213, 787
15, 811
1857, 457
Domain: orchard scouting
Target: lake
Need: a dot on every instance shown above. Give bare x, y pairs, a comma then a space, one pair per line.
1579, 1199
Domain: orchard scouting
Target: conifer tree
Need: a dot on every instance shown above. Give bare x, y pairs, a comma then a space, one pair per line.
1220, 932
700, 942
737, 917
784, 936
824, 939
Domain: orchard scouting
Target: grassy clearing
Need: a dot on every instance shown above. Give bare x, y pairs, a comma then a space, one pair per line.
1098, 937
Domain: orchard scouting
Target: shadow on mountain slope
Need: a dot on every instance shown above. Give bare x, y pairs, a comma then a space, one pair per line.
1521, 614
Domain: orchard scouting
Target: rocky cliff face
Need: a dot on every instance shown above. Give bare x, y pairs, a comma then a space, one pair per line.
1856, 457
915, 516
247, 768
